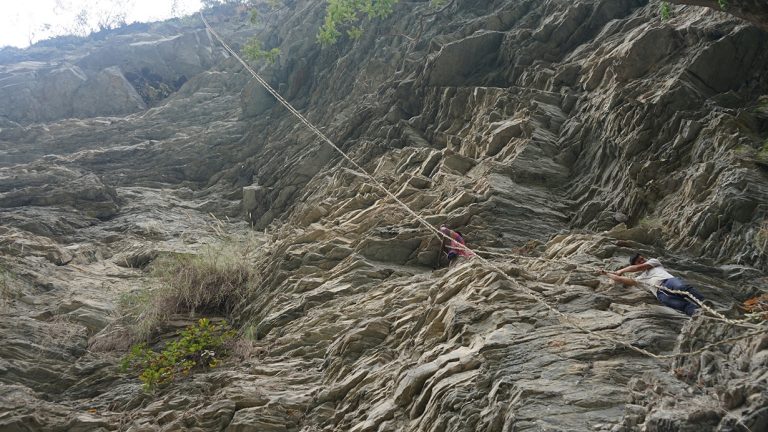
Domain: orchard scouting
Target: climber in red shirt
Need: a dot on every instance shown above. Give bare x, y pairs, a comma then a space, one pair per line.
456, 246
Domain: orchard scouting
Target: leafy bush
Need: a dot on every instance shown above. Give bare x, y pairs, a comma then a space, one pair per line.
349, 13
254, 52
665, 10
253, 49
199, 347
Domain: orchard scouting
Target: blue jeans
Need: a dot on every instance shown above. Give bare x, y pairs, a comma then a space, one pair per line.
679, 302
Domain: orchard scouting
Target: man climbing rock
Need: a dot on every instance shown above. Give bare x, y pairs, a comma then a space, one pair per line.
660, 282
455, 247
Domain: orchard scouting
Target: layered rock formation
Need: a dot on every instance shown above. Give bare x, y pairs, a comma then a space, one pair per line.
753, 11
559, 137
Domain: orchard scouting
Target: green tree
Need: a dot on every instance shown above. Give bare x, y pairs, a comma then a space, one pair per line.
254, 50
348, 15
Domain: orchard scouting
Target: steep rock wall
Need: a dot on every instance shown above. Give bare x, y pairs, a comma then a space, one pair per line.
560, 137
634, 110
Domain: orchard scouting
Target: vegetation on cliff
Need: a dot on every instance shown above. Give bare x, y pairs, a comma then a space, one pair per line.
210, 283
585, 129
198, 347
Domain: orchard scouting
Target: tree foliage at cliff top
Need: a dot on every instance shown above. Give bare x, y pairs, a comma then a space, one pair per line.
350, 14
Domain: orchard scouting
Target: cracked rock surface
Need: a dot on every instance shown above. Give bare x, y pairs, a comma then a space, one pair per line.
558, 137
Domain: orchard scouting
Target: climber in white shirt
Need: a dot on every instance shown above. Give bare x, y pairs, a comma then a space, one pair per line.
656, 278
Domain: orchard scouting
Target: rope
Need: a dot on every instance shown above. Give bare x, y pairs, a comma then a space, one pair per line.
314, 129
717, 315
701, 304
529, 292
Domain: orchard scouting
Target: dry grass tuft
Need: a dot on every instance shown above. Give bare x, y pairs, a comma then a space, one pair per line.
211, 283
114, 337
61, 330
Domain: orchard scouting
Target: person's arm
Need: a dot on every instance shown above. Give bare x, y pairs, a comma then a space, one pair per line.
634, 268
620, 279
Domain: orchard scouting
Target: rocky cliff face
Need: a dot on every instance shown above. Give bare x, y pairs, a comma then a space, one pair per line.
559, 137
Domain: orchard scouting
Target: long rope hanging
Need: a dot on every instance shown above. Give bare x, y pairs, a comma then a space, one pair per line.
529, 292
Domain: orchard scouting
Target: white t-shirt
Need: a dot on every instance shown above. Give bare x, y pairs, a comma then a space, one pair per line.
653, 277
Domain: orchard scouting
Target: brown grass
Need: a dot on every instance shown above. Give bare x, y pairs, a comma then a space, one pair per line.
61, 330
114, 337
211, 283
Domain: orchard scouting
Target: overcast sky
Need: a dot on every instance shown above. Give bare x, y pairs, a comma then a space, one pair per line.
22, 21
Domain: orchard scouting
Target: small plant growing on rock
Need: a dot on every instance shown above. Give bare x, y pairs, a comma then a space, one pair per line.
665, 9
253, 51
199, 347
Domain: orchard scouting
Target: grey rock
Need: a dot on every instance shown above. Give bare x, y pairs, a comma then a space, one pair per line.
255, 99
456, 61
108, 93
531, 127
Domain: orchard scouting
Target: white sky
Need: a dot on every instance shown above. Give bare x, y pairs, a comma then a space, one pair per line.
22, 21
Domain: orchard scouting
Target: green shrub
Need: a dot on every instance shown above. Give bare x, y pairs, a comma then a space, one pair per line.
254, 52
665, 10
199, 347
349, 13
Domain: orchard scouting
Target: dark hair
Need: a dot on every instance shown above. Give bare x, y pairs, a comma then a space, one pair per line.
634, 258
